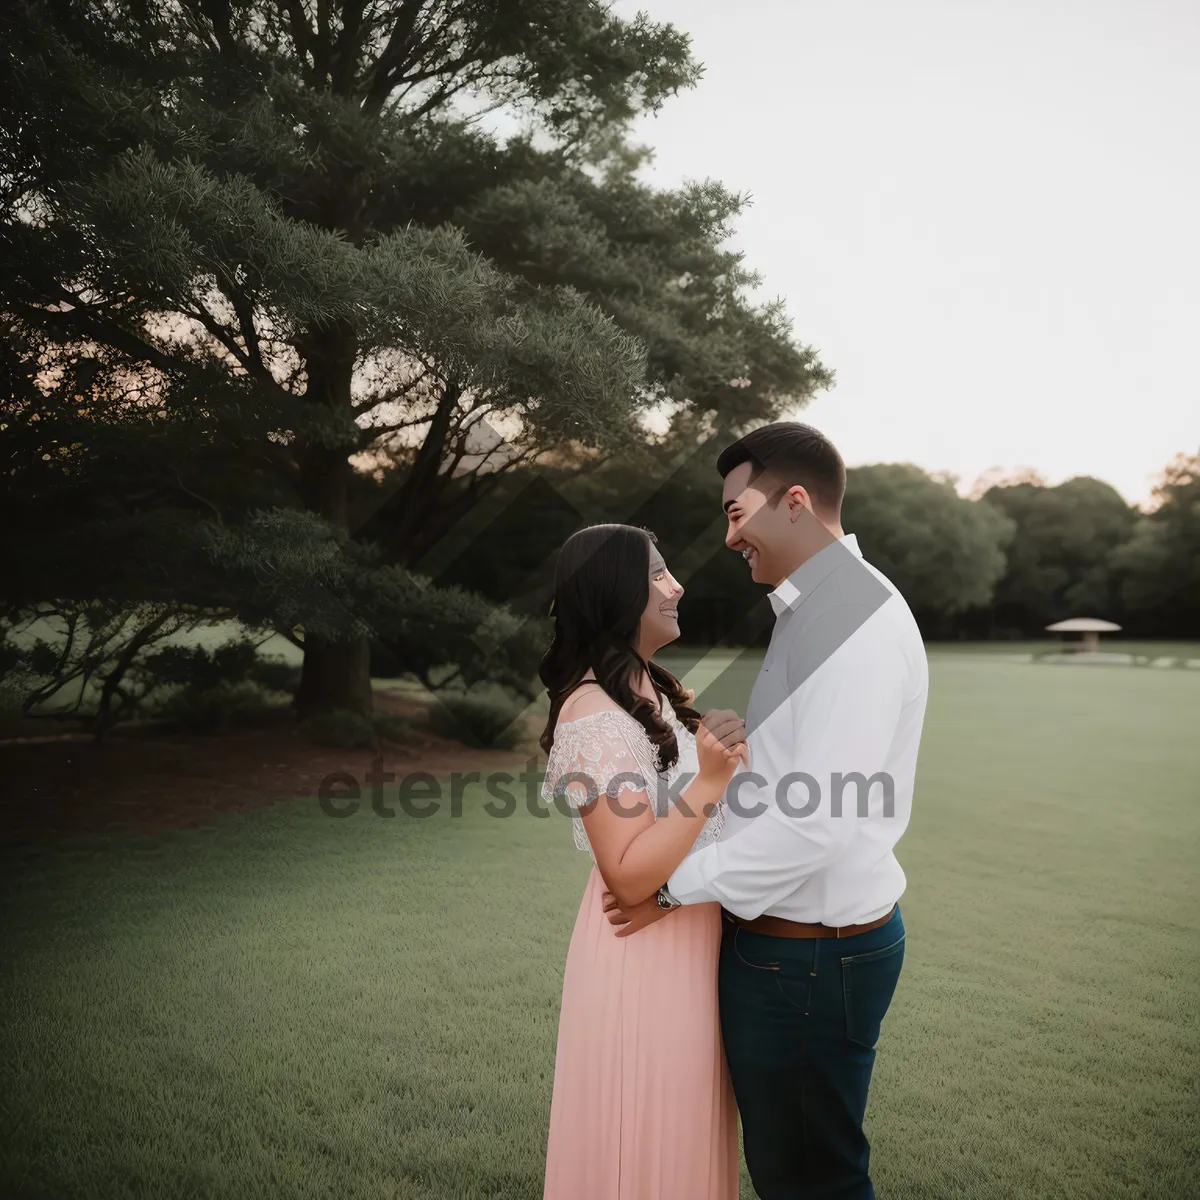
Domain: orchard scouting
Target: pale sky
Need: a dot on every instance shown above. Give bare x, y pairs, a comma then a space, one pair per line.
984, 215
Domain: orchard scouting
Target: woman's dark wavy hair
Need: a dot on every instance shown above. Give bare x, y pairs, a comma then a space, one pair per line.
601, 588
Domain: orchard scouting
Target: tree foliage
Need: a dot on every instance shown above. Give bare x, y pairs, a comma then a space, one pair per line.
1158, 569
945, 553
1060, 559
280, 306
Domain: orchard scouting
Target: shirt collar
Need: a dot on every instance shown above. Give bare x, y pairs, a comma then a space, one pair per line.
788, 595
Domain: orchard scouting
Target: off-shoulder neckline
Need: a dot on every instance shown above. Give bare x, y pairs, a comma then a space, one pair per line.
603, 712
616, 708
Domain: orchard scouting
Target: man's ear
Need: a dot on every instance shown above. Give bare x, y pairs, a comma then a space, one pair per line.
798, 500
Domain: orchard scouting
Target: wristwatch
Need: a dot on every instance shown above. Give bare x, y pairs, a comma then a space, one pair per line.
666, 900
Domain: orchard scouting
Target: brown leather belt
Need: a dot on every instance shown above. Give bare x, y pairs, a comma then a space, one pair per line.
781, 927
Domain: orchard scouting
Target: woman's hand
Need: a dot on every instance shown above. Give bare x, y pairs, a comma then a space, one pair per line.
634, 858
636, 917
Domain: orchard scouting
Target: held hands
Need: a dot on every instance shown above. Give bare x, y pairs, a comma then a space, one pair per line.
721, 744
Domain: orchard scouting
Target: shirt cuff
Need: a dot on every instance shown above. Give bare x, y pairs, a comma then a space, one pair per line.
687, 884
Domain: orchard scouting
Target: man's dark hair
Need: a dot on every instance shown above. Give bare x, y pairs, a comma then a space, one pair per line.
794, 454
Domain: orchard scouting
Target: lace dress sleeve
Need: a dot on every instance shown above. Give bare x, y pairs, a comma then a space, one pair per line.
608, 753
594, 756
603, 753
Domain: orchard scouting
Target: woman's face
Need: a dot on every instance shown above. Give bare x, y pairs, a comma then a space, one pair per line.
660, 621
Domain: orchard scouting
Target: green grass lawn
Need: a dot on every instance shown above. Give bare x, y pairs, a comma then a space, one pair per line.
1050, 644
298, 1006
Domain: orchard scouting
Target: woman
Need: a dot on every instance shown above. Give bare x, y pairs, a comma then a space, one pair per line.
642, 1107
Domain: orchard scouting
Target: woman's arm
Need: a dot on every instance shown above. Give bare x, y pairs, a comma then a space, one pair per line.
636, 853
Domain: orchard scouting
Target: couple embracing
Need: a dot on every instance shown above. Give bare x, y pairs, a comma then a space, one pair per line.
739, 940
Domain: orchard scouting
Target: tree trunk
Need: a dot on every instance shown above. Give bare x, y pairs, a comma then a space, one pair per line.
335, 674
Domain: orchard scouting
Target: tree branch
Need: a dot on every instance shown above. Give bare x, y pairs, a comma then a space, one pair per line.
424, 480
291, 637
80, 322
392, 57
219, 13
454, 67
345, 52
323, 44
221, 333
244, 312
439, 98
195, 496
302, 31
372, 433
442, 517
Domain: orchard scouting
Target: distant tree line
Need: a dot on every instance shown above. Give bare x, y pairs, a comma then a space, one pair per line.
1017, 557
1078, 549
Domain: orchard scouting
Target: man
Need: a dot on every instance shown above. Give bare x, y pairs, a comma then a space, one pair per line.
805, 869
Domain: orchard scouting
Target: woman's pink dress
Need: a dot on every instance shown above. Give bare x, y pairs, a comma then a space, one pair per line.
642, 1107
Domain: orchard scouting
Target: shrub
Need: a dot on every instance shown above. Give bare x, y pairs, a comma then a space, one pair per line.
395, 729
15, 688
216, 708
486, 723
199, 667
447, 635
89, 657
340, 729
275, 675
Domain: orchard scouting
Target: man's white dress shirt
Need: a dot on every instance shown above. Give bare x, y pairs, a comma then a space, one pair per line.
841, 699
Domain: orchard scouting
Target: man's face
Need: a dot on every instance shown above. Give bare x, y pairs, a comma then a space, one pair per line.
761, 533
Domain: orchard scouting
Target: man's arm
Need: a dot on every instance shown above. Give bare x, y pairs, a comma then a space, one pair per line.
840, 720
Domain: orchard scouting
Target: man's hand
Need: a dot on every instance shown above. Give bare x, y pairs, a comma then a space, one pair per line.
630, 920
725, 726
721, 746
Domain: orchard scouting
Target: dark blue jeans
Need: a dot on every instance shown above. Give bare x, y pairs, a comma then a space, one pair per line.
800, 1018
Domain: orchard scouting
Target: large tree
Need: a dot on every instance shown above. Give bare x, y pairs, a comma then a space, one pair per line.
1059, 564
275, 283
944, 552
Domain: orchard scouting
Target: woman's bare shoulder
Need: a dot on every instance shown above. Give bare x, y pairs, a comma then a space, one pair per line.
586, 701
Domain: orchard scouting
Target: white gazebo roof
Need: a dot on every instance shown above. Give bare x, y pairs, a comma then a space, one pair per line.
1083, 625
